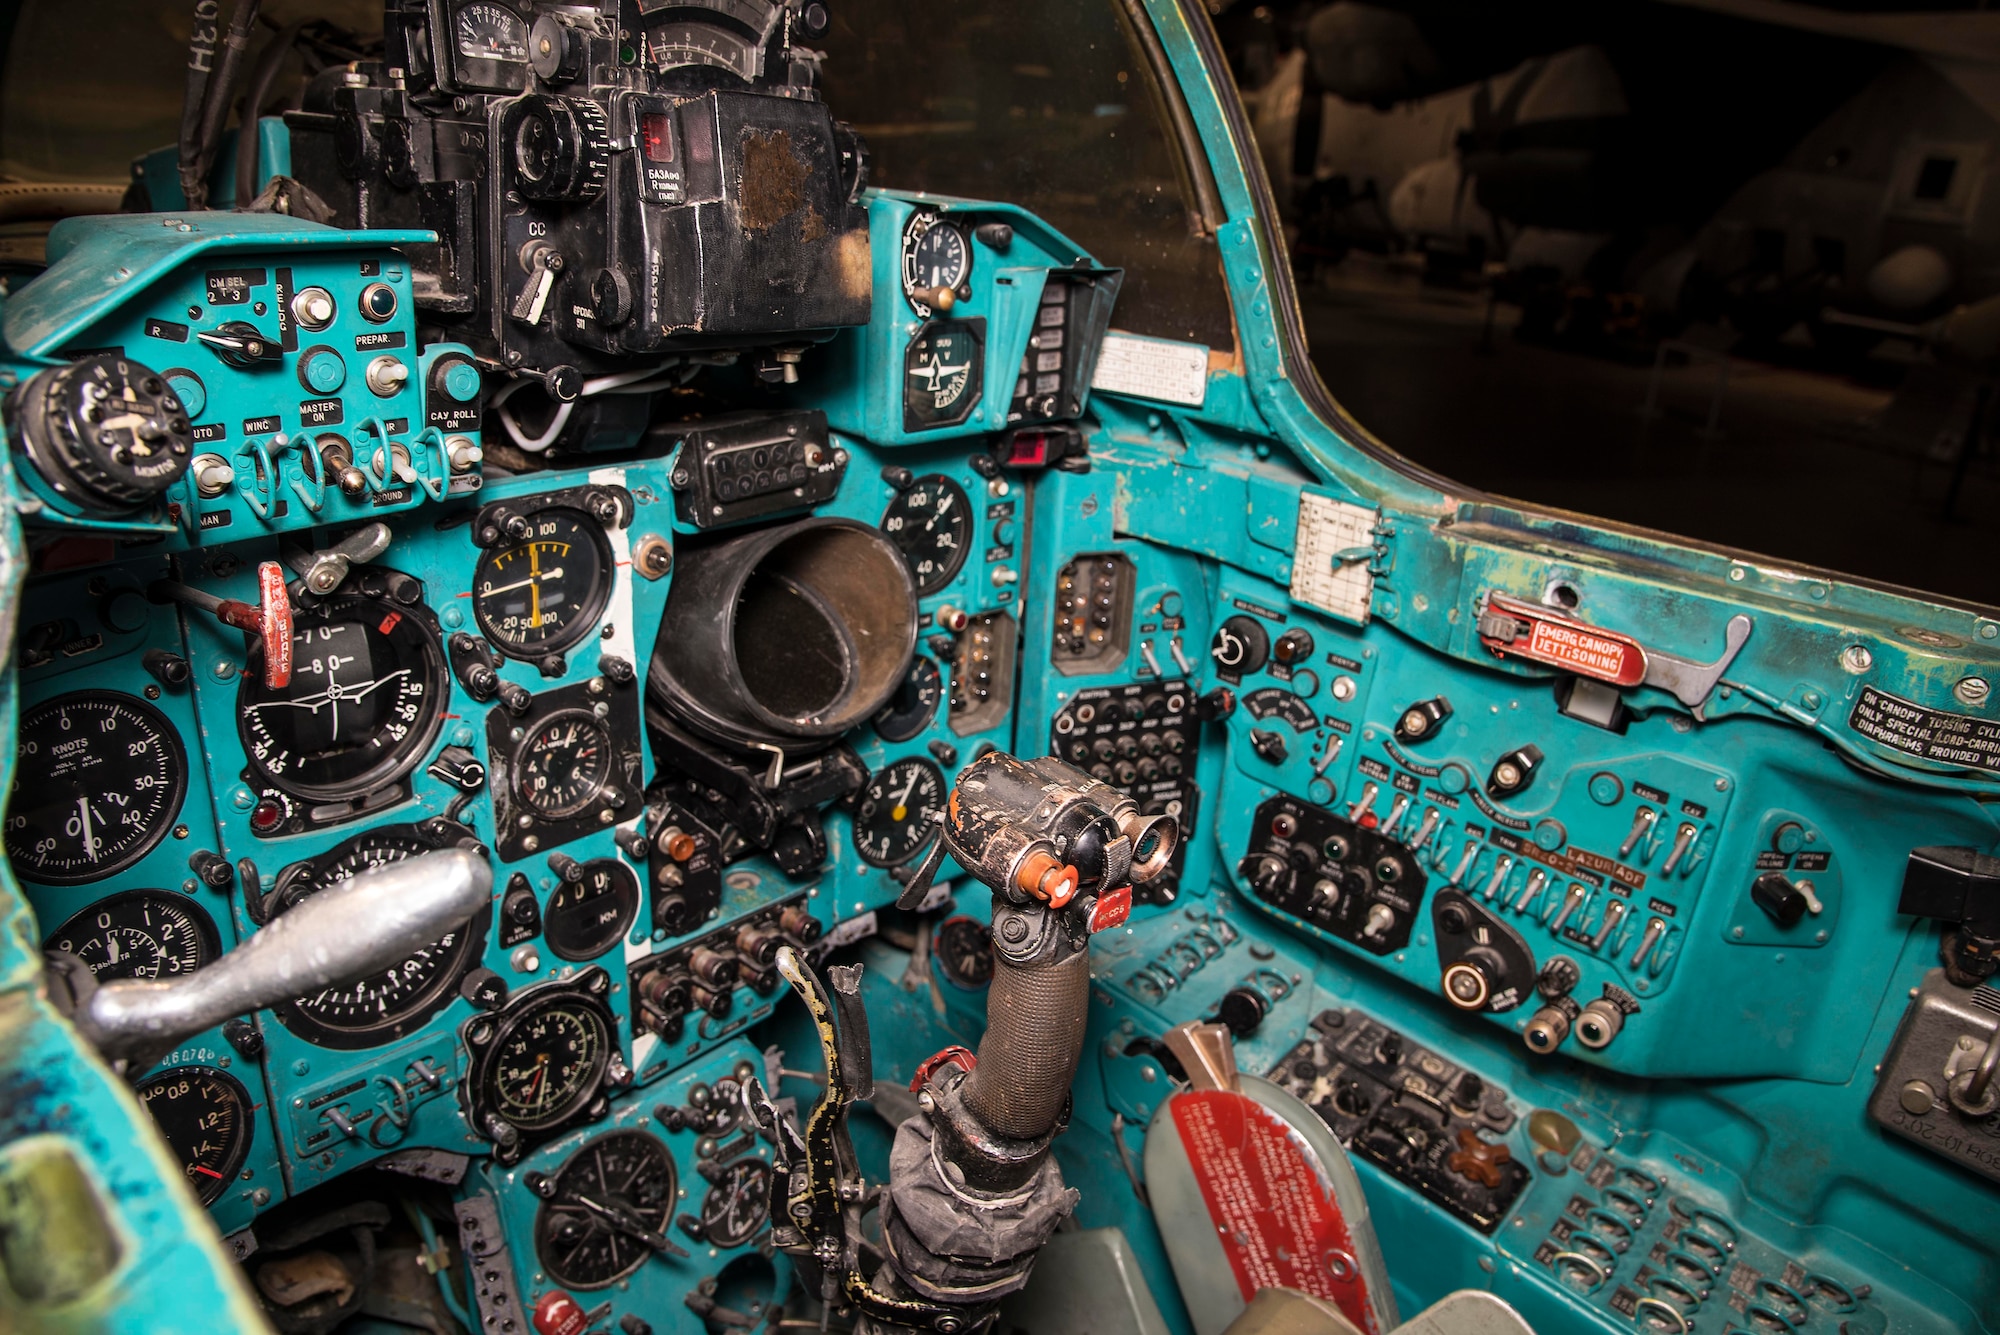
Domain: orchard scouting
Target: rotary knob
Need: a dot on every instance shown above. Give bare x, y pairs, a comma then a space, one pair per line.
560, 146
106, 433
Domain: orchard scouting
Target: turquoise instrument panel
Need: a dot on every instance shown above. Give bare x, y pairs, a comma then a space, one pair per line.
1623, 908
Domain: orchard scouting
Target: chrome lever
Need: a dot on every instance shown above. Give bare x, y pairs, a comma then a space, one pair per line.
376, 919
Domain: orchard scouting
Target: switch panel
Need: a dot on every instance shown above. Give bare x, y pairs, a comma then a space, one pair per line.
1141, 739
1346, 879
1093, 613
1425, 1121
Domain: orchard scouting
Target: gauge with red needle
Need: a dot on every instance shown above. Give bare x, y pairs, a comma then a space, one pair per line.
549, 1061
204, 1115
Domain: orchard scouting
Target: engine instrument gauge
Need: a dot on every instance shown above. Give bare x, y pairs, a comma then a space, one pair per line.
718, 34
930, 521
963, 948
605, 1210
488, 31
204, 1115
380, 1006
587, 916
99, 779
943, 373
936, 256
542, 594
739, 1204
563, 764
139, 934
366, 698
913, 706
546, 1061
896, 816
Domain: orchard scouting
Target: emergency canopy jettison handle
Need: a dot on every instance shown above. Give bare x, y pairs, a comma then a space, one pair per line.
369, 922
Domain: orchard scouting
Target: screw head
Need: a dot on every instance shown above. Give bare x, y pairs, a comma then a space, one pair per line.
1972, 690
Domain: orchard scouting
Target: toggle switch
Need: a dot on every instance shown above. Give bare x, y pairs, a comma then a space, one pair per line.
1614, 914
1684, 839
1642, 828
1536, 880
1500, 870
1573, 899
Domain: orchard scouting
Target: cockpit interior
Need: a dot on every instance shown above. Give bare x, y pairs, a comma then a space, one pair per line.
720, 667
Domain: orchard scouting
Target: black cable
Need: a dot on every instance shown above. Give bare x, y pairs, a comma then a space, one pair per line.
205, 30
216, 100
269, 62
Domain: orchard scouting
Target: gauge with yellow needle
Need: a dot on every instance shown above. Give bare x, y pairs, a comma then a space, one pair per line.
896, 817
542, 593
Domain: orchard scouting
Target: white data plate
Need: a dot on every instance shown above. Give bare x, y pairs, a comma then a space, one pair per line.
1152, 368
1328, 527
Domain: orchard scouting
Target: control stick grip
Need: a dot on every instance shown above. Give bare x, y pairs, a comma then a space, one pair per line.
1035, 1020
369, 922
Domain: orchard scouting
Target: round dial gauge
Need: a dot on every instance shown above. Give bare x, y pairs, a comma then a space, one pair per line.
913, 706
739, 1204
963, 948
380, 1006
930, 521
897, 814
564, 764
139, 934
541, 595
942, 374
935, 255
204, 1116
601, 1207
98, 781
366, 698
488, 31
547, 1062
586, 917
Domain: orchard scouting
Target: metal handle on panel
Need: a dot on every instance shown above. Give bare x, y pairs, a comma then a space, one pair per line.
369, 922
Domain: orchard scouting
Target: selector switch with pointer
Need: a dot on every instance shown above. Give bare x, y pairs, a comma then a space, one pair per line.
1421, 721
1241, 646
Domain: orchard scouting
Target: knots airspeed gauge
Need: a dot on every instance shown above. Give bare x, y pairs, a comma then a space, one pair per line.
99, 780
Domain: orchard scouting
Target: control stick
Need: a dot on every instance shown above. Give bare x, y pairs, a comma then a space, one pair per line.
973, 1191
369, 922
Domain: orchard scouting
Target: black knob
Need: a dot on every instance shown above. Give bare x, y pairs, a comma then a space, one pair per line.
485, 989
106, 433
516, 698
1781, 901
1242, 1009
1421, 720
245, 1037
559, 147
556, 51
1241, 646
618, 671
565, 867
1471, 1089
211, 869
1513, 772
800, 925
167, 669
1268, 744
1293, 647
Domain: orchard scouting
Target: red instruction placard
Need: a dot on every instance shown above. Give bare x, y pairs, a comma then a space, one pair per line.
1272, 1207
